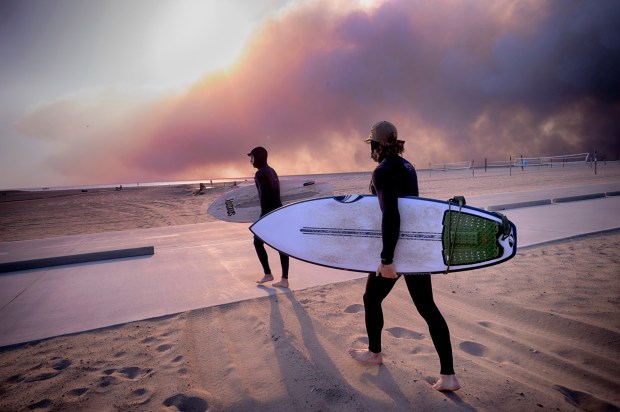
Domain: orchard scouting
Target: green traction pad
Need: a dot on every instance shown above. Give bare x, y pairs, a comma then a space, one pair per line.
473, 238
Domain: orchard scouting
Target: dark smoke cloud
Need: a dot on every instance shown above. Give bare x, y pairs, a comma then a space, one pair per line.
462, 80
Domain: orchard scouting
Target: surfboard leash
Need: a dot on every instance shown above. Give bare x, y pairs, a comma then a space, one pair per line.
461, 202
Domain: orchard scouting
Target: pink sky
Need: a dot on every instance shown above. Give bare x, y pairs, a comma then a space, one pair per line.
461, 80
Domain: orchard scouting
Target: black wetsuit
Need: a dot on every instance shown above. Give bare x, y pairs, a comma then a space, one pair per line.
395, 177
268, 186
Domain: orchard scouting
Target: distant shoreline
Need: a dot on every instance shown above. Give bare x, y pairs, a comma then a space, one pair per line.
48, 213
125, 185
477, 170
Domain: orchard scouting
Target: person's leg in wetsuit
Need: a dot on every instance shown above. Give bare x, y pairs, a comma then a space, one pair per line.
284, 261
421, 291
377, 288
259, 245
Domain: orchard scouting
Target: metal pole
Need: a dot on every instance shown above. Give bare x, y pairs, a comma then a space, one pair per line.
595, 160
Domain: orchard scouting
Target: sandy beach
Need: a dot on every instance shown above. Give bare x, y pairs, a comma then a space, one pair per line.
43, 214
539, 332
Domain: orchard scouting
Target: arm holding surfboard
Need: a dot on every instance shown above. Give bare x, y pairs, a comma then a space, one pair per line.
387, 195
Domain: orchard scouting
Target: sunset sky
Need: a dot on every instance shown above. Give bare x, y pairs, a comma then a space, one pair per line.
114, 91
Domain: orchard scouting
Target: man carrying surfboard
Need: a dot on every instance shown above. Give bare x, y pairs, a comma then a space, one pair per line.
395, 177
268, 186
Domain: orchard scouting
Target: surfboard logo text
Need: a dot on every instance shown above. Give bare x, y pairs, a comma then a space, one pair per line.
230, 207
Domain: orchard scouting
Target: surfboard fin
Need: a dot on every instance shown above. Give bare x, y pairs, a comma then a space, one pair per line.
458, 199
505, 226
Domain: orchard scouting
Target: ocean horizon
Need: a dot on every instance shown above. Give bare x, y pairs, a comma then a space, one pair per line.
422, 172
209, 182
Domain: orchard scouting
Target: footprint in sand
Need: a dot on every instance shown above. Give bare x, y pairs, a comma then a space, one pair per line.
43, 376
15, 379
354, 308
45, 371
105, 381
473, 348
187, 403
169, 353
139, 397
493, 326
481, 351
175, 362
42, 404
402, 333
113, 376
77, 392
165, 347
150, 339
584, 400
60, 364
132, 372
170, 332
307, 302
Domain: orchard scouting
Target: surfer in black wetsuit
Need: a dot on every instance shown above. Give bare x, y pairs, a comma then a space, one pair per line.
395, 177
268, 186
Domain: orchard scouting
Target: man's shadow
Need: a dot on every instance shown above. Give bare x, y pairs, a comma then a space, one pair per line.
318, 357
333, 385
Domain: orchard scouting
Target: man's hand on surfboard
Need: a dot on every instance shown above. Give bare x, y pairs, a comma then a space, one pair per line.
387, 271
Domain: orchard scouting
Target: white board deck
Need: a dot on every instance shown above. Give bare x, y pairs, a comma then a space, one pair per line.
242, 204
344, 232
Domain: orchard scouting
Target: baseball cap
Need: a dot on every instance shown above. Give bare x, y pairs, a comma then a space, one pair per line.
383, 132
258, 151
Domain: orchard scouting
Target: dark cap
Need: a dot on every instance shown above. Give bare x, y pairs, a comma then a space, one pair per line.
257, 151
383, 132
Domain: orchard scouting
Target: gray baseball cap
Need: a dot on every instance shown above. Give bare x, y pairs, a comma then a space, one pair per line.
383, 132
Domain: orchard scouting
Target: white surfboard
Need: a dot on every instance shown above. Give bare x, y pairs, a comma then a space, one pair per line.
242, 204
344, 232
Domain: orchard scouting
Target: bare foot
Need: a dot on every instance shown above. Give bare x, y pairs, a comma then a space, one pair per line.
447, 383
265, 279
281, 284
364, 355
